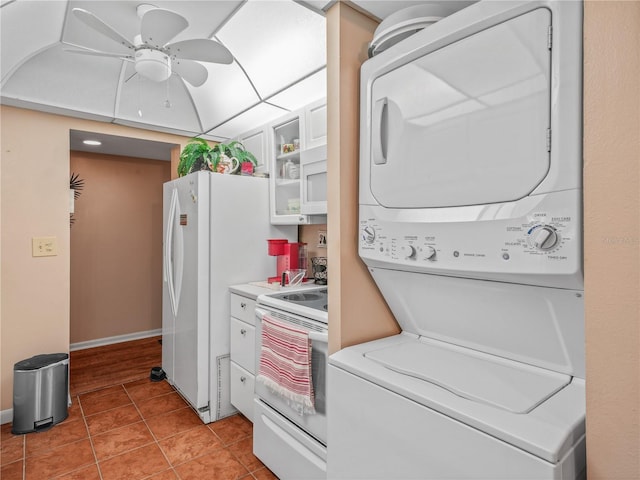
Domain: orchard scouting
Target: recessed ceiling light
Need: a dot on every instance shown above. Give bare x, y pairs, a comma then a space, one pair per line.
92, 142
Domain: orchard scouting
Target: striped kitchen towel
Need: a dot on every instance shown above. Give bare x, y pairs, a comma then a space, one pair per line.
285, 364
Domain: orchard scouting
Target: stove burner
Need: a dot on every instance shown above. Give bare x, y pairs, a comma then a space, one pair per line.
314, 300
301, 297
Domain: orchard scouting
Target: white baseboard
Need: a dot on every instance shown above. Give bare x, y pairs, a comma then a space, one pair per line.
6, 416
99, 342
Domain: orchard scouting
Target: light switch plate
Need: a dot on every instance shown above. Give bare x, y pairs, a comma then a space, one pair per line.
45, 246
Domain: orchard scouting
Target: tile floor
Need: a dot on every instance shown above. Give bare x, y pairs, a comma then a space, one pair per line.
132, 430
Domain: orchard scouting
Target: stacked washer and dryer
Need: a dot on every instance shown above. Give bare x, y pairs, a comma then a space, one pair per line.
471, 226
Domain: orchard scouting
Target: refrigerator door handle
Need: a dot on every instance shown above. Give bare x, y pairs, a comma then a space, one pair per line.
168, 260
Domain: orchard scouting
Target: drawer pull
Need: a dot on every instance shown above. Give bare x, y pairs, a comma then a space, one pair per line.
243, 332
243, 305
243, 379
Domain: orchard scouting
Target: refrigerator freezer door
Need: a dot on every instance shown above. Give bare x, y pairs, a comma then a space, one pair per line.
186, 285
169, 200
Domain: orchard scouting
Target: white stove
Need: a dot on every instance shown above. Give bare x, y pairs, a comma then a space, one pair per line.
292, 445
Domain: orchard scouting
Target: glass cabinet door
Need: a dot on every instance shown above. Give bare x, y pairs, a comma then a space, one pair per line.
285, 173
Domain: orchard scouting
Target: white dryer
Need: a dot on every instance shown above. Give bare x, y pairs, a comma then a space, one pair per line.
471, 226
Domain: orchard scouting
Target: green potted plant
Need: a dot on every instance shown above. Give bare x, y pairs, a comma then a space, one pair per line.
221, 158
196, 155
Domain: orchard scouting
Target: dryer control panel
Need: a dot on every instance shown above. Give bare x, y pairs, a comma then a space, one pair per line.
536, 240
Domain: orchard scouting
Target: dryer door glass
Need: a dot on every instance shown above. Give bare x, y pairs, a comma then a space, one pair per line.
465, 124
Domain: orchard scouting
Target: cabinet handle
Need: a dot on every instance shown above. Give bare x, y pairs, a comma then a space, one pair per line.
243, 379
243, 305
243, 331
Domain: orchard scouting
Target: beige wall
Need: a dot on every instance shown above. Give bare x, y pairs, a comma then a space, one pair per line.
116, 246
34, 193
357, 311
612, 237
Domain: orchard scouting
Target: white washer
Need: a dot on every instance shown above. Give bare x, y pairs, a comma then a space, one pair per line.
471, 226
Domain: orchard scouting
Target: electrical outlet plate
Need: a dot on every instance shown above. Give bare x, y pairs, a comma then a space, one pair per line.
322, 239
45, 246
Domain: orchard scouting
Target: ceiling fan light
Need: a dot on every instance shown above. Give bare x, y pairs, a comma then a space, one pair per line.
153, 64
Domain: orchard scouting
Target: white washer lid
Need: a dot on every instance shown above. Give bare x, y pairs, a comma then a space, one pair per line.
549, 431
512, 386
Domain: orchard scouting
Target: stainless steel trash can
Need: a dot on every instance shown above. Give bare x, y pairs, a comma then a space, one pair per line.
40, 392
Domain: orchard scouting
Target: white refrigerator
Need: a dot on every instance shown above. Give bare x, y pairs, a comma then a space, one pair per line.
214, 235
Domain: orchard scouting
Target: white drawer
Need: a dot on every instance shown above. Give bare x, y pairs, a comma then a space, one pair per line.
242, 383
243, 308
243, 346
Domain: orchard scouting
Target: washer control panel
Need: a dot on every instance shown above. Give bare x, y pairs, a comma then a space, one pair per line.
545, 240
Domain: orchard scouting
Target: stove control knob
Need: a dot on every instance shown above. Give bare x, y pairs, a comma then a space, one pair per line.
430, 253
409, 251
544, 237
368, 234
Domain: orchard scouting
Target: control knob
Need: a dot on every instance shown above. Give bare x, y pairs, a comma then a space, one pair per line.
429, 253
544, 237
409, 251
369, 234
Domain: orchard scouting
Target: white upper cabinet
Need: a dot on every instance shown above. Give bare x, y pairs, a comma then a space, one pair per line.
315, 124
285, 171
293, 150
313, 178
257, 142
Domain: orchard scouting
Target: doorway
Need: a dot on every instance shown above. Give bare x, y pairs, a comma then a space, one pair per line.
116, 239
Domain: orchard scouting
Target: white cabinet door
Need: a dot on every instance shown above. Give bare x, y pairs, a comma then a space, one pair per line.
256, 142
285, 171
313, 170
315, 124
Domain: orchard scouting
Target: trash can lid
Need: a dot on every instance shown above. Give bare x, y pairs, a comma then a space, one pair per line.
39, 361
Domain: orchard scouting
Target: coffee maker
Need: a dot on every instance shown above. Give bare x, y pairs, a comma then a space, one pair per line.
290, 256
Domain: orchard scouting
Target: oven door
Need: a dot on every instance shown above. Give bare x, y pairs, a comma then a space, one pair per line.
315, 424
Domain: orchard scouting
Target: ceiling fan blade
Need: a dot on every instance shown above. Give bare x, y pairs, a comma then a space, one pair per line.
200, 49
159, 26
94, 22
101, 54
191, 71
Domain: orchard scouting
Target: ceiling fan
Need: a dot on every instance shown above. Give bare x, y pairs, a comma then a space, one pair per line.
153, 56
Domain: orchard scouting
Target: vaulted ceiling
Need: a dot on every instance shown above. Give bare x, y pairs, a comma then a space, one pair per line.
278, 48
